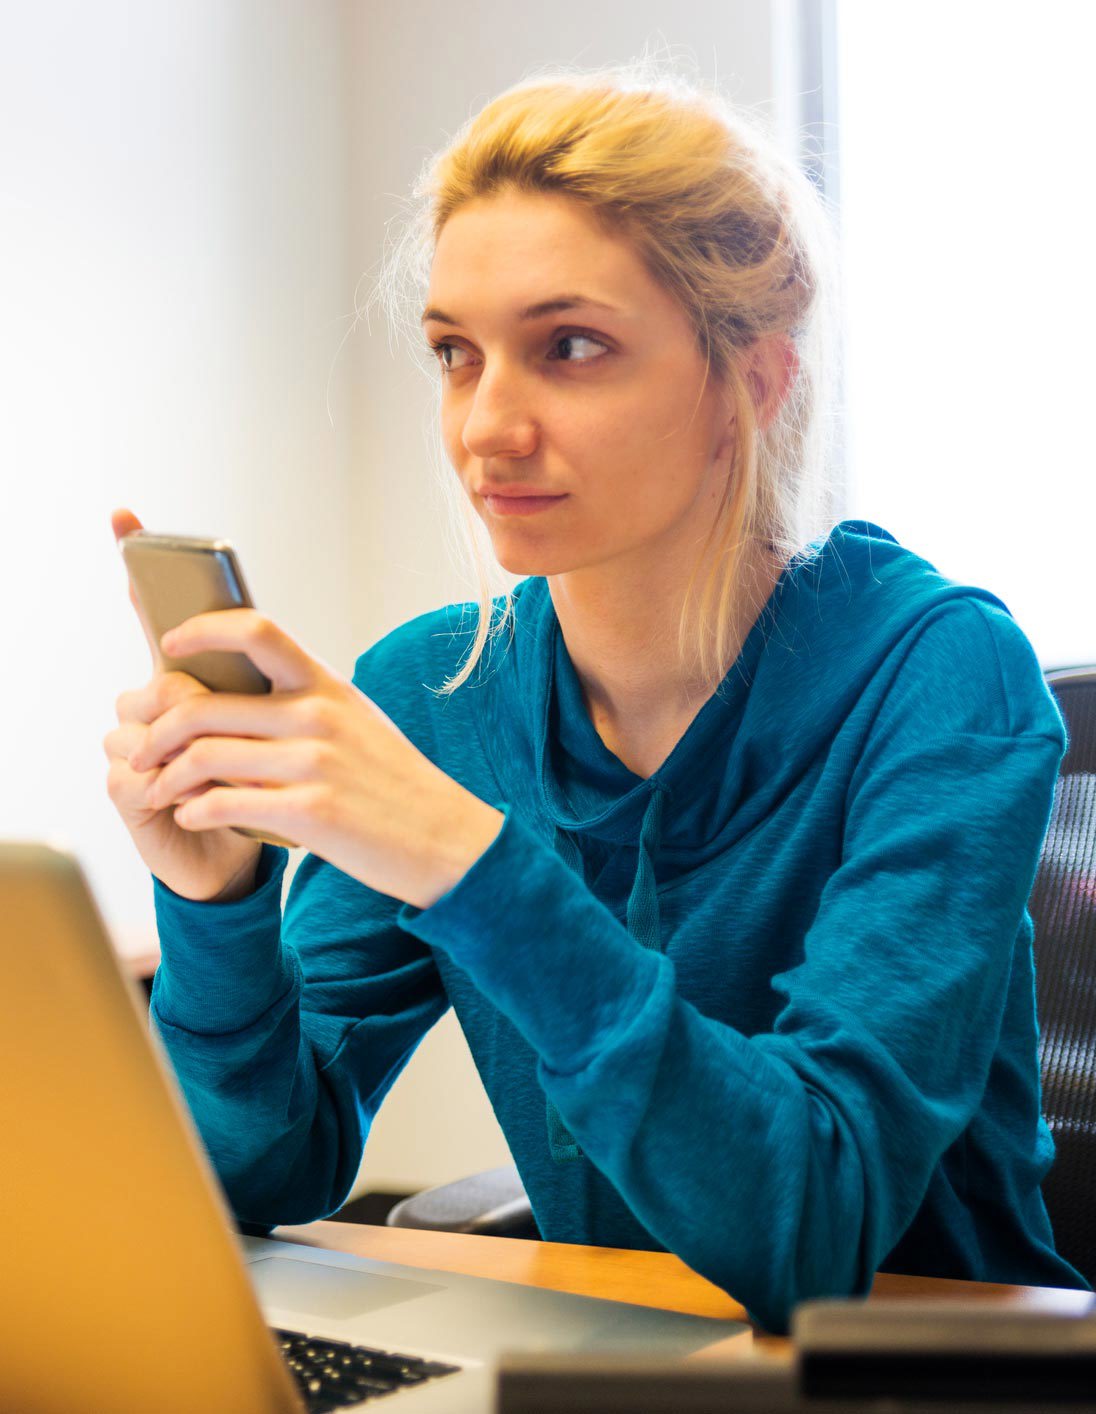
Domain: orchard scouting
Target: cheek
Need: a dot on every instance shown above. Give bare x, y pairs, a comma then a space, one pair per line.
451, 425
650, 421
607, 437
643, 449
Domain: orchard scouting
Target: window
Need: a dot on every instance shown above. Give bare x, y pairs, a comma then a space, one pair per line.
970, 293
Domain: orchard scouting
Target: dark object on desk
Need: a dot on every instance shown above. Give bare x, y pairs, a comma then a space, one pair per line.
1063, 906
979, 1352
851, 1357
586, 1384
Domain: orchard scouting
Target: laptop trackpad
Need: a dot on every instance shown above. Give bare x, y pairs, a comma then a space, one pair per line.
327, 1290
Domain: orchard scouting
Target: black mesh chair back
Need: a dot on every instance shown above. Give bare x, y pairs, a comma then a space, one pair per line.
1063, 907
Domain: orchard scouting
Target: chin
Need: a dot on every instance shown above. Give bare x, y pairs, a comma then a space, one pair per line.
526, 564
529, 560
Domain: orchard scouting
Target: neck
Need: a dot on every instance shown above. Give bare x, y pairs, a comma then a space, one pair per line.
620, 624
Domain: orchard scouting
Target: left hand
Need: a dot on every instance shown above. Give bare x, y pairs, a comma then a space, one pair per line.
322, 766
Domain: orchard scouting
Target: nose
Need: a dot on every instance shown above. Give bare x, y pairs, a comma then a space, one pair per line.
500, 420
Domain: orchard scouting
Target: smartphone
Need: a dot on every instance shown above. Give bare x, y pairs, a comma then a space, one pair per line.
175, 577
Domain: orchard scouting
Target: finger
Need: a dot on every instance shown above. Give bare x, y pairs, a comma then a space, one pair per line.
130, 790
121, 741
190, 794
122, 744
224, 714
162, 692
125, 785
230, 759
123, 521
273, 651
277, 810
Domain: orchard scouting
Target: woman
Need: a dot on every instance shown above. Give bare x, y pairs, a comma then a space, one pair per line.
728, 891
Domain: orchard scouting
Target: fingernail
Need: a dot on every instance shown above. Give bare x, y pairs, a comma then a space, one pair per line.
169, 640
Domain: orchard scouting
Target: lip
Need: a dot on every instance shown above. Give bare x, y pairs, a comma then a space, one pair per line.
519, 502
517, 492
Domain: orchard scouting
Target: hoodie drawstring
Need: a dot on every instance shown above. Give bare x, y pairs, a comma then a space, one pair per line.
642, 922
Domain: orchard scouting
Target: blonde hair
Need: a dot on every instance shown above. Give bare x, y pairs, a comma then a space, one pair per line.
731, 227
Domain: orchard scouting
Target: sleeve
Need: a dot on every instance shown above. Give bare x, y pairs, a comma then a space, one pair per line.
788, 1164
286, 1033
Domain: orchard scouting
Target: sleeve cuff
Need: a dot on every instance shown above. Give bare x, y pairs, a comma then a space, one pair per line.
272, 860
221, 964
464, 899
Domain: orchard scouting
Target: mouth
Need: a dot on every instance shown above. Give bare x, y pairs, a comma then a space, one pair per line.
520, 505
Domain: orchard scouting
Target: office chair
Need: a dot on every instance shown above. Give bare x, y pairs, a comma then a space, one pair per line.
1063, 906
493, 1204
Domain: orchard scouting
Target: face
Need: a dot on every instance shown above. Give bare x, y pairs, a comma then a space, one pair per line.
598, 404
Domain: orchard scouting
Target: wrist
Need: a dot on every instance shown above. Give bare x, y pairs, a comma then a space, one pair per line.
470, 828
242, 882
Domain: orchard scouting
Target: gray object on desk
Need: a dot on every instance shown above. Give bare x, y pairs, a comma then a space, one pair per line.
851, 1357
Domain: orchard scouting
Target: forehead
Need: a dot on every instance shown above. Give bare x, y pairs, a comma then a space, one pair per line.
515, 245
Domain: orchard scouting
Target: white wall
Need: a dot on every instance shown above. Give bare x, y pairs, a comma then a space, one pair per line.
188, 195
173, 275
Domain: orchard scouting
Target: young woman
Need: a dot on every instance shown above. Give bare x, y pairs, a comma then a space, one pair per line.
727, 888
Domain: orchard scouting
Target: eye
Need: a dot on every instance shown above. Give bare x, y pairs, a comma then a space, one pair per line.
569, 340
439, 353
580, 339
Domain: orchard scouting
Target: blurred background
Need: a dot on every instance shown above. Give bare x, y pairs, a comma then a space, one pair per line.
195, 197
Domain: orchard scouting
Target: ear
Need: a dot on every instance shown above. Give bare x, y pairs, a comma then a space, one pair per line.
771, 370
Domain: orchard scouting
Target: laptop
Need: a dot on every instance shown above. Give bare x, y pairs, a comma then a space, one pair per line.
127, 1287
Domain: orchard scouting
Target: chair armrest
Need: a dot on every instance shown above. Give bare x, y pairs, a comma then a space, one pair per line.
492, 1203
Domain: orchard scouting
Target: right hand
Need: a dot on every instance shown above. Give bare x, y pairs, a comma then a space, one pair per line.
205, 865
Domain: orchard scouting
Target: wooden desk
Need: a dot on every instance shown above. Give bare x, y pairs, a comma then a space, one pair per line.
643, 1278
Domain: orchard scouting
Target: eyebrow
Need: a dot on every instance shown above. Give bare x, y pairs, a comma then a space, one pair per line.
533, 311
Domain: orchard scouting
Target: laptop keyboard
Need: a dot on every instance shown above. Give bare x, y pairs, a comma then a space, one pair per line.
332, 1374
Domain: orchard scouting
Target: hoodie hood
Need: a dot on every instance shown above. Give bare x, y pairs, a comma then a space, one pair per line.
834, 617
838, 613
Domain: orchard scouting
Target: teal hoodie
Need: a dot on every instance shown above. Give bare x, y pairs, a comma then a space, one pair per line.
771, 1009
